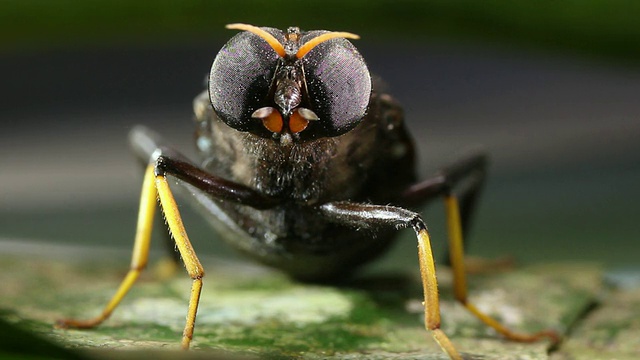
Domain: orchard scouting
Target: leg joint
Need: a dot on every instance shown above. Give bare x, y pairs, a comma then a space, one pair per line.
417, 223
160, 168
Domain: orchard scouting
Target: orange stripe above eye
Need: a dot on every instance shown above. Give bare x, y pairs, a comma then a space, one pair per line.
304, 49
270, 39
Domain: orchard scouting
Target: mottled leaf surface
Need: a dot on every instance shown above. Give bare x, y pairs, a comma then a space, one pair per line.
250, 311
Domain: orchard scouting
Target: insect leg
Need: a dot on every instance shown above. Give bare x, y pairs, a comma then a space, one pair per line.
460, 283
214, 186
467, 176
373, 216
189, 257
470, 172
154, 185
144, 142
140, 253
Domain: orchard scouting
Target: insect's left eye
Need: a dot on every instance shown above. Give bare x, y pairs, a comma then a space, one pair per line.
241, 76
338, 84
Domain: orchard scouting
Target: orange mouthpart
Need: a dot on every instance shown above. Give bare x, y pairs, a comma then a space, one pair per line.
297, 123
273, 122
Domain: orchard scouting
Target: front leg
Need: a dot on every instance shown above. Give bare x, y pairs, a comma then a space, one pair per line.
155, 186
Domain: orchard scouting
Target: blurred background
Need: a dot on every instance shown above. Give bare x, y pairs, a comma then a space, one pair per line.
551, 89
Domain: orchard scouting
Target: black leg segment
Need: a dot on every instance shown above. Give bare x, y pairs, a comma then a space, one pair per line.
370, 216
212, 185
465, 178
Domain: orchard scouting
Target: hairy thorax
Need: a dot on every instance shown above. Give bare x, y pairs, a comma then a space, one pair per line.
305, 173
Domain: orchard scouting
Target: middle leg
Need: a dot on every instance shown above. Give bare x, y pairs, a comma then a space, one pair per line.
456, 252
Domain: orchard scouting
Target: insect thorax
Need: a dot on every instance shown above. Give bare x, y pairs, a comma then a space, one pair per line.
321, 170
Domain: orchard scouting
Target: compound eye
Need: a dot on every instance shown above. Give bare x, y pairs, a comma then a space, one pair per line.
241, 76
338, 84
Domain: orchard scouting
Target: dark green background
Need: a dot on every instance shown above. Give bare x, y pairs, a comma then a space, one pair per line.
597, 27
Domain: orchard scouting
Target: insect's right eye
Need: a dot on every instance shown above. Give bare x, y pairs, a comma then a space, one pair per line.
241, 76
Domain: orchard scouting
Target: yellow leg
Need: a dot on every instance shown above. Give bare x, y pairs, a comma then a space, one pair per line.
431, 301
460, 279
188, 254
138, 259
152, 188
